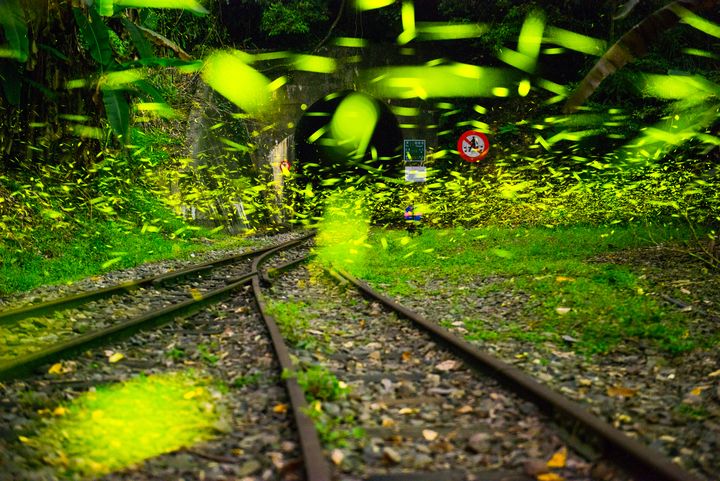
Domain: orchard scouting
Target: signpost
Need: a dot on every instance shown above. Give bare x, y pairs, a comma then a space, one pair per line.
414, 150
473, 146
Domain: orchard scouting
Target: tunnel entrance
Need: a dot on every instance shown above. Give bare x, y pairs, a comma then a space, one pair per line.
349, 136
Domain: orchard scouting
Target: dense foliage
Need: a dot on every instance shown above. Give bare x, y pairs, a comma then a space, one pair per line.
111, 120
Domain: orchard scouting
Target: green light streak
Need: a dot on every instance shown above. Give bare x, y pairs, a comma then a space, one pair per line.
700, 53
192, 5
372, 4
456, 80
231, 77
123, 424
315, 63
575, 41
351, 42
697, 22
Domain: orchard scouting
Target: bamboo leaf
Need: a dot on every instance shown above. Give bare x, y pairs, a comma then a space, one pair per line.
138, 39
634, 43
163, 41
95, 36
118, 111
12, 19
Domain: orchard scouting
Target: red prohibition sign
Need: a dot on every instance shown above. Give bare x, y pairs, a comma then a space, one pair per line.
473, 145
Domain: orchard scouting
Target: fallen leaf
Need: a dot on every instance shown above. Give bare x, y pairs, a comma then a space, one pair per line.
558, 459
337, 457
464, 409
448, 365
714, 373
116, 357
429, 434
549, 477
60, 411
698, 390
387, 422
280, 408
619, 391
406, 356
196, 294
562, 310
564, 279
409, 411
55, 368
24, 440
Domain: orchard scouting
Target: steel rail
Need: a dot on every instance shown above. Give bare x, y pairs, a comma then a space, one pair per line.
25, 364
316, 466
637, 459
75, 300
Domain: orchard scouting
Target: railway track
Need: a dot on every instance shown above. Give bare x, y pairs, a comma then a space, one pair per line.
372, 396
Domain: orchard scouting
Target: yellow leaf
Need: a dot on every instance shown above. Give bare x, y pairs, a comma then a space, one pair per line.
24, 440
193, 394
558, 459
280, 408
116, 357
60, 411
55, 368
564, 279
619, 391
549, 477
429, 435
698, 390
196, 294
409, 411
406, 356
464, 409
387, 422
714, 373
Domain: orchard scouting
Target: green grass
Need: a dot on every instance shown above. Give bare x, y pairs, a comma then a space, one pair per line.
565, 292
293, 320
100, 247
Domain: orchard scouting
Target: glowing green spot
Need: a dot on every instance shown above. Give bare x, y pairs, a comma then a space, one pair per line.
88, 132
235, 80
372, 4
695, 21
350, 42
500, 91
119, 80
74, 117
700, 53
445, 105
277, 83
315, 63
553, 51
76, 84
524, 88
405, 111
123, 424
408, 16
354, 122
575, 41
192, 5
448, 31
479, 109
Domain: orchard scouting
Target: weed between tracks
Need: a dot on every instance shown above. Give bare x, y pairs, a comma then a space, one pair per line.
549, 278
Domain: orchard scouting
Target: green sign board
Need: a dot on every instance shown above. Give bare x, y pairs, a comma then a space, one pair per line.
414, 150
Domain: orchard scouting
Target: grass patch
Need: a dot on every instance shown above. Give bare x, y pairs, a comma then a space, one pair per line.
564, 292
102, 246
122, 424
293, 320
